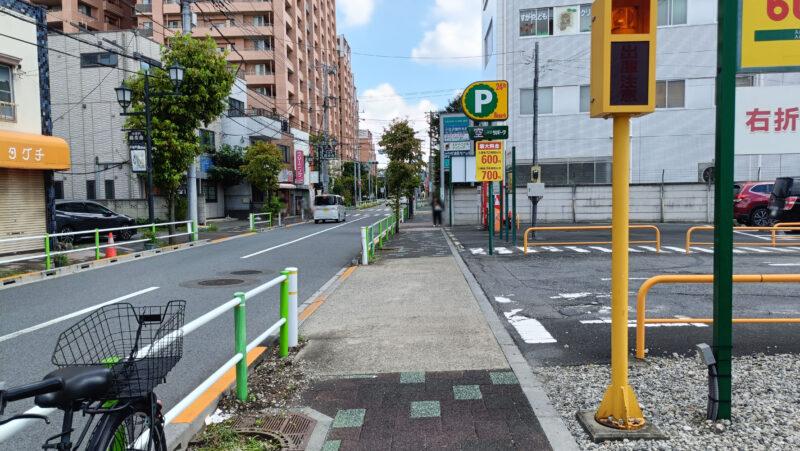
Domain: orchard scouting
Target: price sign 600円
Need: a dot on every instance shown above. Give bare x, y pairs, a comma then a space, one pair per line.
489, 161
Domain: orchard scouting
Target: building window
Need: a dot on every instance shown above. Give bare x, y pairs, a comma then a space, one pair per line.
235, 107
59, 189
260, 69
744, 81
90, 192
85, 9
670, 94
596, 172
672, 12
210, 190
586, 17
207, 138
259, 21
286, 153
488, 45
110, 189
174, 24
545, 101
8, 110
536, 22
103, 59
586, 99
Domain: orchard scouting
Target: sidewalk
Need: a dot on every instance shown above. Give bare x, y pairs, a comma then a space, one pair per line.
402, 357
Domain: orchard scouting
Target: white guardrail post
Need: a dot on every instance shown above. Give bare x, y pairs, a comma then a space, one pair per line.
292, 307
364, 247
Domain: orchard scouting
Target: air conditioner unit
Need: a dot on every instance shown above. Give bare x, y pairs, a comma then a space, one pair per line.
705, 173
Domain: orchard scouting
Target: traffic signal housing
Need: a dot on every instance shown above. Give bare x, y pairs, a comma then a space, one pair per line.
623, 61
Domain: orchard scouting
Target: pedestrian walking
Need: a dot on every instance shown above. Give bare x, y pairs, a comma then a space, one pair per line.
438, 208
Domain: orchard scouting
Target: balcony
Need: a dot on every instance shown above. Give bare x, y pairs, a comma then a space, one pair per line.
142, 8
236, 32
253, 78
254, 6
146, 32
8, 112
250, 54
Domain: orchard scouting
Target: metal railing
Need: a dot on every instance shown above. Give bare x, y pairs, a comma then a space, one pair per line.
191, 229
253, 221
369, 240
783, 226
641, 300
8, 111
657, 241
288, 338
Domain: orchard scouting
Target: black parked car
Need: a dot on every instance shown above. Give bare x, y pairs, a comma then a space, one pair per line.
76, 215
784, 202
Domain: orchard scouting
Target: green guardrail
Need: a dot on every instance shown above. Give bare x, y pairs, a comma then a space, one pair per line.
253, 220
370, 240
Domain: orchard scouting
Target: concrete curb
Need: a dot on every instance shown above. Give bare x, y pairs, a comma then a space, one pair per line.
553, 426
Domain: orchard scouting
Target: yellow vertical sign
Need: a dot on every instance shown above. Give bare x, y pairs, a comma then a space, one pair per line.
489, 161
769, 34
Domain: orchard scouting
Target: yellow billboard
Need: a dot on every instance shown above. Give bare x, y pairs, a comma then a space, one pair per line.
489, 161
769, 35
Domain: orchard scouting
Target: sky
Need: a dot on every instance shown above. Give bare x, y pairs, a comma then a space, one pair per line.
428, 51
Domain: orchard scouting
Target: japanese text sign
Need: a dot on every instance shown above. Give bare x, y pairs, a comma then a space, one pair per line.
768, 120
489, 161
29, 151
299, 167
769, 35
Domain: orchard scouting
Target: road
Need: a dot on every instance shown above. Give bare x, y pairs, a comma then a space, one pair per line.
556, 301
34, 314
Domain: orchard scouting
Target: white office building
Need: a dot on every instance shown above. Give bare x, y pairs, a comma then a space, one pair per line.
675, 144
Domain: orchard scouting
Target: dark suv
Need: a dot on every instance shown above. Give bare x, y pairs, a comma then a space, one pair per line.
750, 200
76, 215
784, 202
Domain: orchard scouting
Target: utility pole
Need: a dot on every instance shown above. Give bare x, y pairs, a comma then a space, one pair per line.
535, 200
191, 175
358, 152
326, 70
355, 182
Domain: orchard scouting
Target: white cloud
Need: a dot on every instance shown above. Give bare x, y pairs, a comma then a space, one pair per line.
356, 12
457, 34
382, 104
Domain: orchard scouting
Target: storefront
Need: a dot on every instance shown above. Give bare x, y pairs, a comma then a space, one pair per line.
24, 159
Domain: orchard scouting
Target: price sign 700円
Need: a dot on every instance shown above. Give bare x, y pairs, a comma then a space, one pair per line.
489, 161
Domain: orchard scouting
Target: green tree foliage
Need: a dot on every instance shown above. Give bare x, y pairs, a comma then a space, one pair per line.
262, 164
405, 161
206, 86
227, 165
454, 106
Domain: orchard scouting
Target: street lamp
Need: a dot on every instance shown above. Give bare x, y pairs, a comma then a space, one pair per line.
124, 98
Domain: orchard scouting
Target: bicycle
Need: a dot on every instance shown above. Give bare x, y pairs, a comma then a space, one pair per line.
109, 363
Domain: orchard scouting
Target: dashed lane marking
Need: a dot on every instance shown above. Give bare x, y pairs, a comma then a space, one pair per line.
577, 249
601, 249
530, 330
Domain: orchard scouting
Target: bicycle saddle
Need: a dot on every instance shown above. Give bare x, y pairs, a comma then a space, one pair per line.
80, 383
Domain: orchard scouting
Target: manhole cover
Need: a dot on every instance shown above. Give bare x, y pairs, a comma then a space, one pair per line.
220, 282
246, 272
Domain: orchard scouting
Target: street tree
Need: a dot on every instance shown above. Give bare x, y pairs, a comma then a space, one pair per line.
226, 169
262, 164
174, 119
405, 161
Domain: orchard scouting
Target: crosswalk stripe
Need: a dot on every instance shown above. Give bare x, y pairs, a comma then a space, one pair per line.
755, 249
577, 249
603, 249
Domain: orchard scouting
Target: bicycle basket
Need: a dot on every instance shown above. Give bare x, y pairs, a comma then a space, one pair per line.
139, 344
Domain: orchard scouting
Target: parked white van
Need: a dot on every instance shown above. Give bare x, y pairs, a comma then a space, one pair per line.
329, 207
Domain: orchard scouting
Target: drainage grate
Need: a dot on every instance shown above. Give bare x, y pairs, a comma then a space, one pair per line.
245, 272
293, 429
220, 282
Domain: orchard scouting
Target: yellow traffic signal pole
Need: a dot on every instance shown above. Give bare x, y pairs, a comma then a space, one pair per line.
619, 408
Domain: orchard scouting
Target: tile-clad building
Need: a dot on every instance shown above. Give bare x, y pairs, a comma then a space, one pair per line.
92, 15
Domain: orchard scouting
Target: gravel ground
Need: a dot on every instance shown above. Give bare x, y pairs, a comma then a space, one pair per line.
672, 393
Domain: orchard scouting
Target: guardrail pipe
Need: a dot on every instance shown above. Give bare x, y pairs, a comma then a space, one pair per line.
364, 249
240, 343
285, 314
97, 244
194, 229
252, 222
47, 250
380, 233
292, 306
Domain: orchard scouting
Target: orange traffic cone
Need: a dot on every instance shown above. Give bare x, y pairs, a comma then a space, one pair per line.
111, 251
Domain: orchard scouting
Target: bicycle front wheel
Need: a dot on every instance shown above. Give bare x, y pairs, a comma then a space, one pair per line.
129, 429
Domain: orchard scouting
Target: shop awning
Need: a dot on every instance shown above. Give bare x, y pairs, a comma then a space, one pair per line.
287, 186
30, 151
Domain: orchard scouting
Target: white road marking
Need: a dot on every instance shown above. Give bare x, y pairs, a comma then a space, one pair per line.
702, 249
738, 251
299, 239
74, 314
652, 249
530, 249
675, 249
501, 300
760, 237
577, 249
602, 249
478, 251
784, 264
570, 295
551, 249
783, 249
502, 250
530, 330
755, 249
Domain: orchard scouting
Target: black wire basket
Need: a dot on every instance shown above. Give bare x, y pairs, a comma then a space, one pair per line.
140, 345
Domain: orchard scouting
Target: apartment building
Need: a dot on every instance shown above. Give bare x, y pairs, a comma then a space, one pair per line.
347, 102
72, 16
367, 150
675, 144
286, 51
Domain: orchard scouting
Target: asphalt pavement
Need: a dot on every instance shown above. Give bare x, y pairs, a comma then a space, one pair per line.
206, 276
556, 300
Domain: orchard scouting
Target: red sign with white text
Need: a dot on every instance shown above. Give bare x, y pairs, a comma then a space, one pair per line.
299, 167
